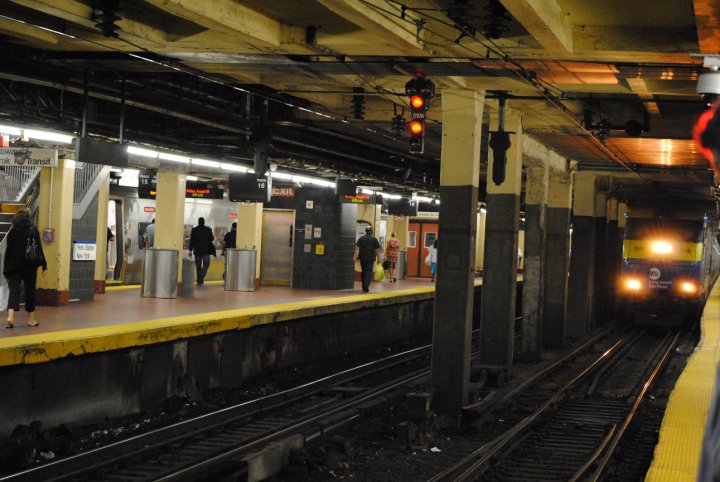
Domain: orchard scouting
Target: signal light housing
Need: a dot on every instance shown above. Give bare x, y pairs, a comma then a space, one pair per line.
420, 90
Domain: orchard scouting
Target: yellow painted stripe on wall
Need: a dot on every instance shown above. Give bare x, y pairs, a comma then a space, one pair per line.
641, 249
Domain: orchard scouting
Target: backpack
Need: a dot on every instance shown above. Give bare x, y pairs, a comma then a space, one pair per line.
33, 253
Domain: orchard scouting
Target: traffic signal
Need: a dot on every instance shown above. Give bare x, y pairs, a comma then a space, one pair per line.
420, 90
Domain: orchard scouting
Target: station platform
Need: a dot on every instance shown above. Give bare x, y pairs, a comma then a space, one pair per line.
678, 452
121, 318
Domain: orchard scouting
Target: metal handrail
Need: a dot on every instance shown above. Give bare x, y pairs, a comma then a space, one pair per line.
85, 174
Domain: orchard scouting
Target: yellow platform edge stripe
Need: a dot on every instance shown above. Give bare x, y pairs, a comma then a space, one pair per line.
677, 454
45, 347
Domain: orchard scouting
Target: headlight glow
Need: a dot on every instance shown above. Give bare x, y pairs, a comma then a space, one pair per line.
661, 247
633, 284
688, 287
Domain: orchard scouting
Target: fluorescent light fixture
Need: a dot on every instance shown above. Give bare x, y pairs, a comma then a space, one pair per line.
251, 171
233, 167
423, 199
174, 158
367, 191
483, 210
139, 151
129, 178
205, 163
391, 196
281, 175
192, 178
13, 131
48, 136
302, 179
322, 182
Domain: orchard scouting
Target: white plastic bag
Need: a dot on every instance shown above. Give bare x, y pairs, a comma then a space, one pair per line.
4, 295
428, 259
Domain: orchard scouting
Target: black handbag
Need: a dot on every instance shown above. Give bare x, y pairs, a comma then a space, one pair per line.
33, 253
386, 265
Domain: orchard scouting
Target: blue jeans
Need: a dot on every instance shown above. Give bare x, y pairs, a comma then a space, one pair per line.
202, 263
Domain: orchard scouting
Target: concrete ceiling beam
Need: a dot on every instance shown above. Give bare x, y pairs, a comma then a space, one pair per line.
545, 21
79, 13
27, 32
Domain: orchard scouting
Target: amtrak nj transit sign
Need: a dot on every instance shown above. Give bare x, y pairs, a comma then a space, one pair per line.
28, 156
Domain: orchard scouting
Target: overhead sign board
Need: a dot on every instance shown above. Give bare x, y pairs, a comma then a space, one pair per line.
403, 207
147, 184
247, 187
28, 156
202, 190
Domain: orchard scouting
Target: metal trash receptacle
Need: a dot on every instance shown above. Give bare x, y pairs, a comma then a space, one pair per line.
160, 273
401, 265
240, 269
188, 277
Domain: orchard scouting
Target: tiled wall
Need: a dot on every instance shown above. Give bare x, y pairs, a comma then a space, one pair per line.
334, 269
82, 273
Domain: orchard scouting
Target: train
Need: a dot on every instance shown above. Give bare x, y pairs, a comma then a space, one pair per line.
668, 267
129, 217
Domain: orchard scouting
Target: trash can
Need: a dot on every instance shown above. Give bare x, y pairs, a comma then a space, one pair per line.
160, 273
401, 265
240, 269
188, 277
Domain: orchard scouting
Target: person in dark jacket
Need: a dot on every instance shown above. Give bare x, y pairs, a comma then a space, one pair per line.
17, 269
230, 240
367, 250
201, 245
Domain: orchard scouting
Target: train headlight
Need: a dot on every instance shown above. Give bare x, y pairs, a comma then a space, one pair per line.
661, 247
688, 287
633, 284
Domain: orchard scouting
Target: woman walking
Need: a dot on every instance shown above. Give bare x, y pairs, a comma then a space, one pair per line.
23, 256
433, 260
391, 255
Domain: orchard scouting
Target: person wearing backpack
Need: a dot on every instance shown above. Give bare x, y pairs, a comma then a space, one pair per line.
23, 256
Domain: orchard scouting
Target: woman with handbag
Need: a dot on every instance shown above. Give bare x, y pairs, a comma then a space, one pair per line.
23, 256
391, 256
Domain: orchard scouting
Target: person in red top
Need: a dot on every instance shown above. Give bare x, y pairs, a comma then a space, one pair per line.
391, 255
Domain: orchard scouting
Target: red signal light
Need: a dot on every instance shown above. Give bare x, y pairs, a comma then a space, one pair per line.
417, 102
416, 127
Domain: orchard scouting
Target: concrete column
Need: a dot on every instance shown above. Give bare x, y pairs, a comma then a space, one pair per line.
557, 261
613, 255
501, 244
581, 291
170, 215
249, 233
56, 213
372, 213
536, 193
480, 240
459, 177
101, 236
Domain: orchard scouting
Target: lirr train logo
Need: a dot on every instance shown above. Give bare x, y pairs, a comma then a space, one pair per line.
654, 274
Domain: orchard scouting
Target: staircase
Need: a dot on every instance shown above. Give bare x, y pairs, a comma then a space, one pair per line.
7, 213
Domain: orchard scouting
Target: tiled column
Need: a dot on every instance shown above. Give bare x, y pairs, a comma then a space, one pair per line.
557, 261
582, 289
459, 178
54, 288
501, 245
249, 233
536, 191
170, 215
101, 236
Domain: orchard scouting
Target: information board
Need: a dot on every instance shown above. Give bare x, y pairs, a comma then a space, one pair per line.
84, 250
247, 187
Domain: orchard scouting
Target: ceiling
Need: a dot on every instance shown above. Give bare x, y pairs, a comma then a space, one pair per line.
208, 76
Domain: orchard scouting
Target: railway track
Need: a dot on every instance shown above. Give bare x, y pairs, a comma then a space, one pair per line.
199, 446
572, 433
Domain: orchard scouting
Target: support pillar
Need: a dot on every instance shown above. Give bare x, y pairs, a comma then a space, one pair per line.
582, 287
372, 213
557, 261
250, 217
613, 255
170, 215
501, 247
101, 236
56, 213
459, 178
536, 192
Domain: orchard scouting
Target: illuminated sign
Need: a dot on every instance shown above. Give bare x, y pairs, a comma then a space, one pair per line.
202, 190
147, 184
357, 199
149, 209
283, 191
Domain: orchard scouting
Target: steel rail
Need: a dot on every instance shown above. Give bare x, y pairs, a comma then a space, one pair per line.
124, 449
467, 466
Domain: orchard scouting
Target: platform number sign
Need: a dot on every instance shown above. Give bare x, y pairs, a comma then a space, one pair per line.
246, 187
147, 184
